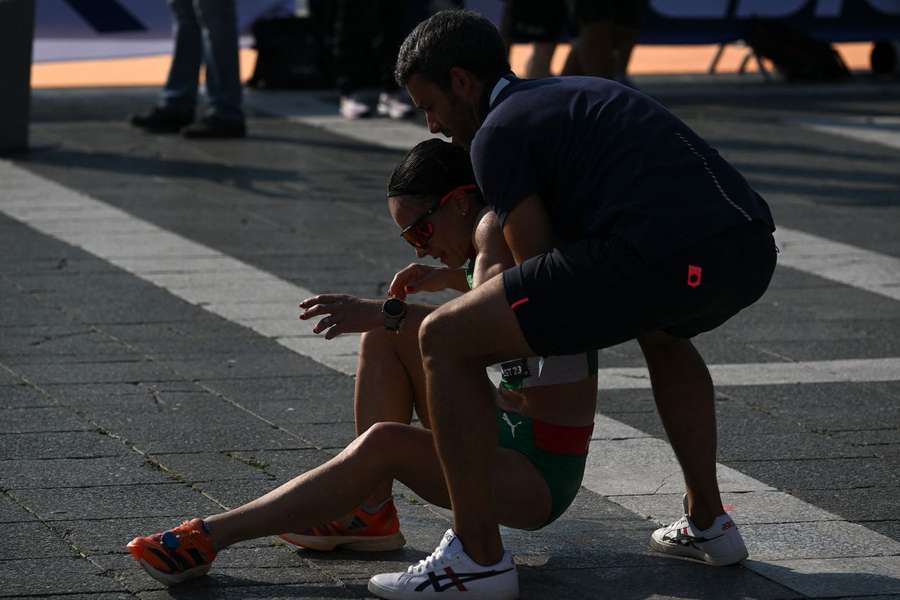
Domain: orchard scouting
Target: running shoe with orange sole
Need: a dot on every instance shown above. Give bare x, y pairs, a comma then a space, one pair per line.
365, 532
176, 555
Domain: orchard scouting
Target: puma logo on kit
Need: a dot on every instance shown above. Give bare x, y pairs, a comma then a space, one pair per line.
512, 426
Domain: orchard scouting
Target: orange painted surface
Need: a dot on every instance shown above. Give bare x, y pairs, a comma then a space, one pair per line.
658, 60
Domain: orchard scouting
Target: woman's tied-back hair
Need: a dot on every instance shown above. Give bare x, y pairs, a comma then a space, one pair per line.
452, 38
431, 169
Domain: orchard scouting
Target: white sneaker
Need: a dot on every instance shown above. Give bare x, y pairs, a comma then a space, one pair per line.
354, 108
395, 105
449, 572
720, 545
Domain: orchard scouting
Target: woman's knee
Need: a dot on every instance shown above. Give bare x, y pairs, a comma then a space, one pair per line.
386, 440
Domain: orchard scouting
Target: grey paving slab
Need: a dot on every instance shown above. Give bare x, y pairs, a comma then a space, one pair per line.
33, 540
234, 493
798, 475
236, 567
22, 396
835, 578
131, 501
833, 349
308, 591
75, 444
254, 393
127, 469
283, 464
98, 596
860, 504
665, 579
35, 420
12, 512
128, 396
249, 366
825, 407
889, 528
69, 575
785, 541
745, 507
121, 372
209, 466
790, 446
328, 436
195, 428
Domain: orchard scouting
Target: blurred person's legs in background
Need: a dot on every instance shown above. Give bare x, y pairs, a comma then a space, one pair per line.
538, 23
367, 37
218, 26
353, 31
607, 33
178, 99
397, 19
205, 33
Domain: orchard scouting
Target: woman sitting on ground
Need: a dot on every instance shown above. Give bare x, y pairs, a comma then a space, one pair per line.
545, 406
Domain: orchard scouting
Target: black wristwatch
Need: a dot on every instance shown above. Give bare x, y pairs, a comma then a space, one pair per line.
394, 311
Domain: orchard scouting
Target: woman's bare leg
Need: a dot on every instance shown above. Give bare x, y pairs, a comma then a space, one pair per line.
390, 382
385, 451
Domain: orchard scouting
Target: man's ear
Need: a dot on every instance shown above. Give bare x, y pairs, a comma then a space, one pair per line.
464, 83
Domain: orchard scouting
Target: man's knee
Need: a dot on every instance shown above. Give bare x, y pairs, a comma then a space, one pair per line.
440, 337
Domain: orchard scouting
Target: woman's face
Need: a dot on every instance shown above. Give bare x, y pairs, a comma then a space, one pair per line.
450, 225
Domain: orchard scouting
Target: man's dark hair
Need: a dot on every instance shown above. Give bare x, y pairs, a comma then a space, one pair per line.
432, 168
452, 38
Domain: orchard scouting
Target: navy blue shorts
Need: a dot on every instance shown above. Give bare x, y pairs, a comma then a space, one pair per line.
596, 293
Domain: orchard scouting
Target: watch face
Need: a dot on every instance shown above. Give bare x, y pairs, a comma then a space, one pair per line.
393, 307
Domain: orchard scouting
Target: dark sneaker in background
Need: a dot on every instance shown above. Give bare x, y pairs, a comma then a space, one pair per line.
215, 127
161, 119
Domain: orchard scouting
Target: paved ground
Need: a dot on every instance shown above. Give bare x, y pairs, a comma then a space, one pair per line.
151, 368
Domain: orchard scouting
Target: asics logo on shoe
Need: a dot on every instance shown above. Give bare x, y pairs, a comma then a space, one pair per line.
512, 426
684, 538
456, 580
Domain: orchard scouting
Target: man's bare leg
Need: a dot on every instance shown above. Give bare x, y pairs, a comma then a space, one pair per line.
458, 341
685, 399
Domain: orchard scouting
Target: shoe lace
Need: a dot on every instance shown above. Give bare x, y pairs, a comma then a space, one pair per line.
427, 563
678, 525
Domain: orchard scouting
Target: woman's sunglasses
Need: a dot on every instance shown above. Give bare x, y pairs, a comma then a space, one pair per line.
419, 232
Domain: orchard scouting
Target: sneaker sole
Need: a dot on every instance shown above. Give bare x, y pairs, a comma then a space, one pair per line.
693, 554
390, 594
350, 542
169, 579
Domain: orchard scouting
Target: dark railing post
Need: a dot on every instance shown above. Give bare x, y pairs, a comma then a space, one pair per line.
16, 38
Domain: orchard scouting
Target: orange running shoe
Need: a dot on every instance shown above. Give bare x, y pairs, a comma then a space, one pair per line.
176, 555
365, 532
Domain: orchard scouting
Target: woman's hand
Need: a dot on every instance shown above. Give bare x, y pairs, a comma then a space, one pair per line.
344, 314
422, 278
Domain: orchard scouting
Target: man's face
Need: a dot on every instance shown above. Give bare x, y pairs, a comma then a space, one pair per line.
453, 112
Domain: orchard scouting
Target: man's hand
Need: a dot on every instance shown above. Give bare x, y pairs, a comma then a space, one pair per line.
425, 278
345, 314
